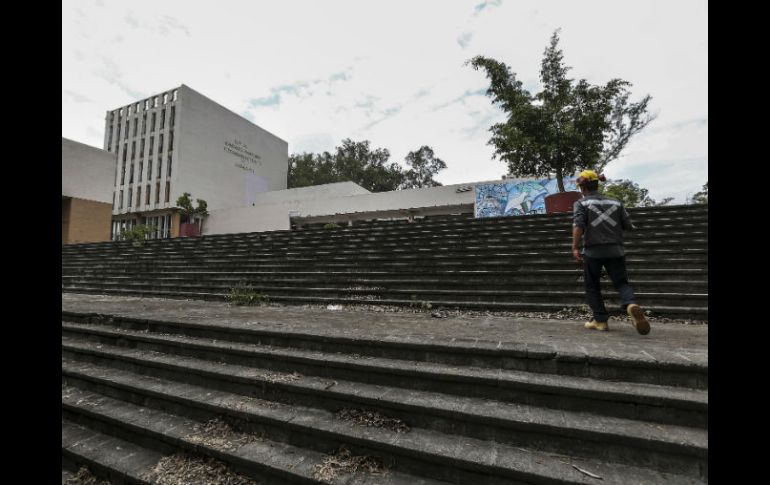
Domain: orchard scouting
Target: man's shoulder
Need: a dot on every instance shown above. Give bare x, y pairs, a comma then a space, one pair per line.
578, 204
600, 198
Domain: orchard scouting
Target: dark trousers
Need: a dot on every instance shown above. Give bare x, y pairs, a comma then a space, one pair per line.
616, 268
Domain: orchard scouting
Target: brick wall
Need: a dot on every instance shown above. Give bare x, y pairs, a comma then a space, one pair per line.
85, 221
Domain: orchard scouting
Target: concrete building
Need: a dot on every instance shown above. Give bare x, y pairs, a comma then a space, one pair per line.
181, 141
86, 188
342, 202
347, 202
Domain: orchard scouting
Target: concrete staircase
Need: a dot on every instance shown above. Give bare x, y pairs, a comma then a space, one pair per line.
519, 263
136, 389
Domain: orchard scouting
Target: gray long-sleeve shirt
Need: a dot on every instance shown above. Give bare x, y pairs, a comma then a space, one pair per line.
603, 221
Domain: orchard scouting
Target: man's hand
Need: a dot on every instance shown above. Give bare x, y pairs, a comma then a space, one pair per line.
577, 234
576, 255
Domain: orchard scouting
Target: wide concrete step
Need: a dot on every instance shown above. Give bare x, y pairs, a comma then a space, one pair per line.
331, 254
668, 252
427, 266
420, 451
444, 275
473, 225
89, 438
181, 354
613, 439
529, 219
568, 292
573, 297
474, 252
354, 282
107, 457
438, 243
650, 247
683, 227
394, 268
513, 423
446, 272
508, 237
696, 312
660, 368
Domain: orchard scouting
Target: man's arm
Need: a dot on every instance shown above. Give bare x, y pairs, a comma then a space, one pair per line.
579, 219
577, 234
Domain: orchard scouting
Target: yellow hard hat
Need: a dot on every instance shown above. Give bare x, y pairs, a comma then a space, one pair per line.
588, 176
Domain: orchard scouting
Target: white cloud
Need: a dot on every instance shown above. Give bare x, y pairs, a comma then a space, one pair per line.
77, 97
465, 39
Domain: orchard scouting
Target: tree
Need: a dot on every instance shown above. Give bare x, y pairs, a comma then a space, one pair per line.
370, 168
630, 194
567, 126
701, 197
424, 165
351, 161
137, 234
186, 208
307, 169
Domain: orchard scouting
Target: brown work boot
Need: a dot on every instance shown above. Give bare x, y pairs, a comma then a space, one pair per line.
638, 319
594, 325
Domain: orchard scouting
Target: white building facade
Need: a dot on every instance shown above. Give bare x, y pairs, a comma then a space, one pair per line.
342, 202
86, 171
86, 189
181, 141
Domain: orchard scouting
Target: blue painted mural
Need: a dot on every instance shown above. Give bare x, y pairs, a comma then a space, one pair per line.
516, 197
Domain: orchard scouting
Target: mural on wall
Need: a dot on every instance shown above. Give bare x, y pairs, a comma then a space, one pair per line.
517, 197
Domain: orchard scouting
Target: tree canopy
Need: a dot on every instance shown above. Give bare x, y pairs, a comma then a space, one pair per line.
357, 161
424, 165
630, 194
567, 126
701, 197
184, 202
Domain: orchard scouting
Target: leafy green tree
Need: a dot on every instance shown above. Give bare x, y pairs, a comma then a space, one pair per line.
307, 169
187, 210
631, 194
569, 125
424, 165
368, 167
701, 197
351, 161
137, 234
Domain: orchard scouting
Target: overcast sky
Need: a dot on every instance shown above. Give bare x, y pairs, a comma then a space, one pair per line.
392, 72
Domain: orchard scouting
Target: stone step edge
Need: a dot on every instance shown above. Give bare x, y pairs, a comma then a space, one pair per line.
490, 348
280, 461
433, 449
355, 277
475, 292
472, 225
546, 383
102, 461
658, 310
546, 425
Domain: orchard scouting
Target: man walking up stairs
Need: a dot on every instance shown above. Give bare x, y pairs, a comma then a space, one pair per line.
601, 221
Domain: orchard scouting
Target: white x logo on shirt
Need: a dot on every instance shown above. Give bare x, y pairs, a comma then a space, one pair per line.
603, 216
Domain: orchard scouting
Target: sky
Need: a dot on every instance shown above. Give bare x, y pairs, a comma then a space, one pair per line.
394, 72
